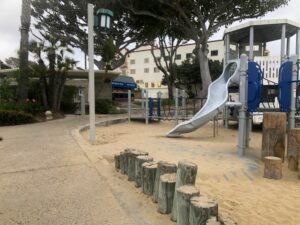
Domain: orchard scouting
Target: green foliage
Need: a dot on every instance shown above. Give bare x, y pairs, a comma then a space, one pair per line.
11, 117
167, 102
6, 90
29, 107
188, 74
67, 103
103, 106
108, 50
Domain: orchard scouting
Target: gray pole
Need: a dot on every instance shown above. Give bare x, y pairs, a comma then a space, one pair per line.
176, 104
298, 44
82, 101
129, 105
92, 133
251, 44
147, 108
184, 103
282, 52
143, 103
288, 45
227, 49
293, 94
243, 101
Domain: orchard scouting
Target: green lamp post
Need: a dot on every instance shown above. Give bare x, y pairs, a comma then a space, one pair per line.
103, 20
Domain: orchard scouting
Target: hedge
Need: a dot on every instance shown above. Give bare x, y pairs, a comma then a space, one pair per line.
12, 117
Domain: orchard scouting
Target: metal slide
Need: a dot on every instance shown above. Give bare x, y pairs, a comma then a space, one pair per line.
217, 97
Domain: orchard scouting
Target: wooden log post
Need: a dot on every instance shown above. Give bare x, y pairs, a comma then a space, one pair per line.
201, 209
124, 161
166, 192
273, 167
138, 168
148, 177
186, 174
162, 168
184, 195
273, 139
117, 161
131, 157
293, 149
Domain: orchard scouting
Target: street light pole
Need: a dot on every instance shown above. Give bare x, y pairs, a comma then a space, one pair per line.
92, 133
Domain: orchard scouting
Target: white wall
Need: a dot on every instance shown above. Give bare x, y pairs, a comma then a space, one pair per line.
141, 65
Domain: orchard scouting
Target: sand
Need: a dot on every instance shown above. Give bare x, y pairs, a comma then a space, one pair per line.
237, 183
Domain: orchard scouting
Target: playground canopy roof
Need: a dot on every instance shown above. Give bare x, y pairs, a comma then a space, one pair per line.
264, 30
124, 82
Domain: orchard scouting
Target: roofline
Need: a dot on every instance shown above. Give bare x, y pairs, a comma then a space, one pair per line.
260, 23
220, 40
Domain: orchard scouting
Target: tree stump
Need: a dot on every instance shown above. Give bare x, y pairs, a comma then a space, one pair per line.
213, 221
293, 149
162, 168
131, 158
273, 167
117, 161
123, 161
166, 192
273, 140
184, 195
138, 168
148, 177
186, 174
201, 209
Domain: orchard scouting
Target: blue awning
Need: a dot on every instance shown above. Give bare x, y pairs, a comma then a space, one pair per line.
124, 82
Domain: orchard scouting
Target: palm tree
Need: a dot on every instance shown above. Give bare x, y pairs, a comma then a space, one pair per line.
24, 45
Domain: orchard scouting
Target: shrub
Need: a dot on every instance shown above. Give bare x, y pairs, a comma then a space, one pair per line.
103, 106
167, 102
30, 107
11, 117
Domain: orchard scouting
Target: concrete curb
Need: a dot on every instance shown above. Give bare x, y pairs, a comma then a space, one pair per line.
104, 123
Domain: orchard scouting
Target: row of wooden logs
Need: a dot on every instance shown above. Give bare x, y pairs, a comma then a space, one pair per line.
274, 143
172, 187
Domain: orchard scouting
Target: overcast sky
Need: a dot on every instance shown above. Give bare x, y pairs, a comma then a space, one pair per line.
10, 11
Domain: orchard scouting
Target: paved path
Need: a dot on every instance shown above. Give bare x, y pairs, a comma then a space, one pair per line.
47, 178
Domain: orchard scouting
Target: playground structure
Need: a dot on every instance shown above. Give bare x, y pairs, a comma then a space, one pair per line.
248, 76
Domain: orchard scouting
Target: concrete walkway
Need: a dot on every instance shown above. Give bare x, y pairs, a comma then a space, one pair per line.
47, 178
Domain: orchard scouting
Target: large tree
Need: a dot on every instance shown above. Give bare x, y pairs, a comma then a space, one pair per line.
68, 19
24, 43
200, 19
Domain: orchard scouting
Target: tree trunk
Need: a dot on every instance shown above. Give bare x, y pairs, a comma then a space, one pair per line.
60, 91
166, 192
201, 209
138, 168
273, 167
293, 149
273, 139
186, 174
24, 48
148, 177
204, 69
185, 193
162, 168
131, 163
43, 86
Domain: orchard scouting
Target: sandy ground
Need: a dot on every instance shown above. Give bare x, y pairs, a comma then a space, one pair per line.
236, 182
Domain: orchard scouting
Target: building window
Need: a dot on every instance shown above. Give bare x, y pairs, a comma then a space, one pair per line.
146, 60
132, 61
189, 55
214, 53
153, 85
178, 57
139, 81
167, 57
132, 71
156, 70
159, 84
146, 85
146, 70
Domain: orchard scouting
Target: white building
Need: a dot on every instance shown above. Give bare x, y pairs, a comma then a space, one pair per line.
141, 66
